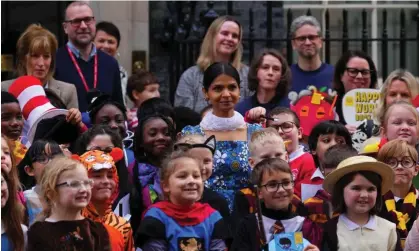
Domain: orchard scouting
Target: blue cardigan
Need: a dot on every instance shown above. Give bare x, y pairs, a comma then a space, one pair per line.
108, 79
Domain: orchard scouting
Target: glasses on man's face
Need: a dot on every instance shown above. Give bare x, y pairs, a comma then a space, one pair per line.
353, 72
77, 184
286, 127
406, 162
274, 186
42, 159
77, 21
302, 39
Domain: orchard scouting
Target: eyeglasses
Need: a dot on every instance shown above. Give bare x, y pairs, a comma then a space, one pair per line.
302, 39
406, 162
274, 187
77, 22
353, 72
77, 184
42, 159
286, 127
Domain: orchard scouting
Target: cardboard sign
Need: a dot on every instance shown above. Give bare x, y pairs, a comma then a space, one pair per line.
359, 104
312, 107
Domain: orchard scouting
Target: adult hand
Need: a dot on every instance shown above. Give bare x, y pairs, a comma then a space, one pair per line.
311, 247
74, 116
256, 114
351, 128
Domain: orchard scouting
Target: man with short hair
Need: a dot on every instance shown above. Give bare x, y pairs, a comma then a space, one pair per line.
80, 63
309, 69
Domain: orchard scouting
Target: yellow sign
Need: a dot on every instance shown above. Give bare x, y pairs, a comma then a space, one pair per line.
359, 104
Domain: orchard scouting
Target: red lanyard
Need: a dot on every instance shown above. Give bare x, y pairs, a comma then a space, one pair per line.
81, 73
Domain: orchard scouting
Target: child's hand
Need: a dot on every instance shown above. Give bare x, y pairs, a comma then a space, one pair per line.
256, 113
311, 247
74, 116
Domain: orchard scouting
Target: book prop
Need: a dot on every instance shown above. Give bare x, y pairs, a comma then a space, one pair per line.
359, 105
313, 106
287, 241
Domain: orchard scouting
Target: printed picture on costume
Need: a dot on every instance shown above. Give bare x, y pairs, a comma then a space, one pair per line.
191, 244
287, 242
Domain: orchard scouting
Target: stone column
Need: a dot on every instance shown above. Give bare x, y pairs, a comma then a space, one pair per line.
131, 18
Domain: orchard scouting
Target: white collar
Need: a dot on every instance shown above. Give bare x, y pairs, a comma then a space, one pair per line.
371, 224
317, 174
213, 123
297, 153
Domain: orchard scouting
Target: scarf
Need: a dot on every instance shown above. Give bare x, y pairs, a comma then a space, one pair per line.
213, 123
402, 217
186, 216
318, 207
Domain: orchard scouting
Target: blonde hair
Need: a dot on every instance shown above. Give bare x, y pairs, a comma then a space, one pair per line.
49, 179
265, 136
170, 163
191, 139
404, 104
35, 39
397, 148
399, 74
208, 46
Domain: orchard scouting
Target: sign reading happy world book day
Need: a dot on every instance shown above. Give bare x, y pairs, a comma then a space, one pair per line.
359, 104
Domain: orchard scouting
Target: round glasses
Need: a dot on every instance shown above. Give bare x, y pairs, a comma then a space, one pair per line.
274, 187
286, 127
406, 162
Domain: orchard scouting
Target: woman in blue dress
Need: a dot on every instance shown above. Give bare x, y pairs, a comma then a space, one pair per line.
231, 169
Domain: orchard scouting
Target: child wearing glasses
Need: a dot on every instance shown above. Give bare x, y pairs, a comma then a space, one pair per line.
275, 183
286, 122
180, 222
402, 199
264, 144
102, 170
66, 190
30, 173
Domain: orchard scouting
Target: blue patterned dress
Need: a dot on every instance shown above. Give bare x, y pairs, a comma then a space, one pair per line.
231, 170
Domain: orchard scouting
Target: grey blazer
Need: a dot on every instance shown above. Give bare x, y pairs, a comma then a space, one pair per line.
66, 91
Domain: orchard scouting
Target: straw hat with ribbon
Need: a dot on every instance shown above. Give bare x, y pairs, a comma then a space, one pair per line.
33, 102
360, 163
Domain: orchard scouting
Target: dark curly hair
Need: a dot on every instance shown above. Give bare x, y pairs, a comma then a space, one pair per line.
284, 84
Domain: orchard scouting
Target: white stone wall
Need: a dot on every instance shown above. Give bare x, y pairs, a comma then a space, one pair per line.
131, 17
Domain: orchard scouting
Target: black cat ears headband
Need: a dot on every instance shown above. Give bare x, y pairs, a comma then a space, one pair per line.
209, 144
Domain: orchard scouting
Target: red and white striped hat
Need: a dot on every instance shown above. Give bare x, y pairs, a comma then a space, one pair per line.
33, 102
